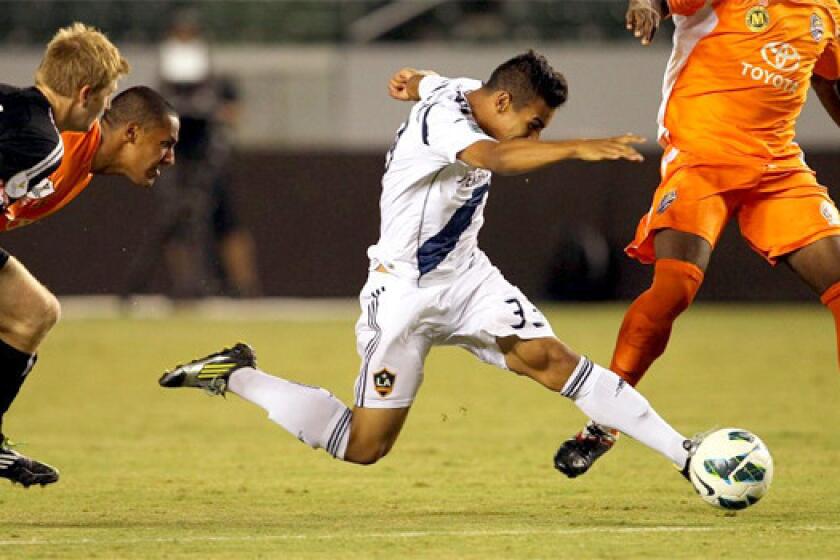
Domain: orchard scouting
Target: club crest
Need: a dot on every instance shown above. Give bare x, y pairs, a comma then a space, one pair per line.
666, 201
383, 382
757, 18
817, 27
829, 212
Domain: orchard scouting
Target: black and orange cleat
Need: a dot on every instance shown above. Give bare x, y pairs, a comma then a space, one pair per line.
577, 454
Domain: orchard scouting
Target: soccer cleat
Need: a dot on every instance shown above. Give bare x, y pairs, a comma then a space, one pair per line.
211, 373
22, 470
691, 446
576, 455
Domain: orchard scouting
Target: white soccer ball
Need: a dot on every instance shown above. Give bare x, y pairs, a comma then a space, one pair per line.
731, 468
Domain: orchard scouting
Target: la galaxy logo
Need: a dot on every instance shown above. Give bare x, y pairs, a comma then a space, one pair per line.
383, 382
817, 28
758, 18
829, 212
666, 201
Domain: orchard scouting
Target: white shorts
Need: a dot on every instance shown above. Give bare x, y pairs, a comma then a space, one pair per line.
400, 322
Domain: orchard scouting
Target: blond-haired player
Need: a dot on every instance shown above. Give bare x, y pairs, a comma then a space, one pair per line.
73, 85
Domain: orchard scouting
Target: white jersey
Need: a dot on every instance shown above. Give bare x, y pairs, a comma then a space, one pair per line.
432, 204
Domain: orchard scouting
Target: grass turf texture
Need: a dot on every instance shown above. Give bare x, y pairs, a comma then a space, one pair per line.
148, 472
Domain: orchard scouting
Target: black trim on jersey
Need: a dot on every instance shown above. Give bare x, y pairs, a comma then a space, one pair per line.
29, 140
442, 85
389, 157
424, 125
423, 215
463, 104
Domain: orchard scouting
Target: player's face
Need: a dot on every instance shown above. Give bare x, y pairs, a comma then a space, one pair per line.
527, 121
152, 149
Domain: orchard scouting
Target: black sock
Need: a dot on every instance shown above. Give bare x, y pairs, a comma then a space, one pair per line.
14, 367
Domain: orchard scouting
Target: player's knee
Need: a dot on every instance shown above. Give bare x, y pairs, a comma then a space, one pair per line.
46, 315
42, 315
51, 312
367, 453
675, 284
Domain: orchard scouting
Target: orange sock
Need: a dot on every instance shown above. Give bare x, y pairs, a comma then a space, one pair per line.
647, 324
831, 299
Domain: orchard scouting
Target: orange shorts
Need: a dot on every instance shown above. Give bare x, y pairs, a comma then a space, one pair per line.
780, 206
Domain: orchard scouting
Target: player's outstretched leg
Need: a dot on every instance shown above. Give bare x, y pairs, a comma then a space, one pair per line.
642, 339
211, 373
599, 393
311, 414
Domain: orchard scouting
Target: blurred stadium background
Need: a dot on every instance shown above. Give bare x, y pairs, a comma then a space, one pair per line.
316, 122
152, 474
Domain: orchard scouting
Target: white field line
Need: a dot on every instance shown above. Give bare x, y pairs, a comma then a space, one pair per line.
410, 535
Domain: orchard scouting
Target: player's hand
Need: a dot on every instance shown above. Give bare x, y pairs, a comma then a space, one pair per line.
398, 86
643, 18
617, 147
403, 85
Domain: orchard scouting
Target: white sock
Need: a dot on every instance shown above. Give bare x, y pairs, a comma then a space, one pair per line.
311, 414
609, 400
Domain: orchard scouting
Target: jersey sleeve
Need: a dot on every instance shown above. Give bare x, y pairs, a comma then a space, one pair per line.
685, 7
448, 130
430, 85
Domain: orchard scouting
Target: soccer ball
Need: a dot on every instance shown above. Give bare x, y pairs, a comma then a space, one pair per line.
731, 468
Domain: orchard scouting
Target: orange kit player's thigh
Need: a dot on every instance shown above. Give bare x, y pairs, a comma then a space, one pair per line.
692, 198
789, 211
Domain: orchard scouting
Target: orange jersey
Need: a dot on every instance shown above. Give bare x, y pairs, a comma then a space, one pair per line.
739, 75
68, 181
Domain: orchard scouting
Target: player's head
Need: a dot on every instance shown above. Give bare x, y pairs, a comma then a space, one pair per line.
83, 66
522, 95
146, 127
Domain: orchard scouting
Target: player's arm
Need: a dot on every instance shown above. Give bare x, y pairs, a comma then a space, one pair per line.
27, 161
521, 155
404, 85
644, 16
30, 148
829, 95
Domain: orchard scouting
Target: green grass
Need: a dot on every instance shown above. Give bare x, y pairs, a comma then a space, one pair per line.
150, 473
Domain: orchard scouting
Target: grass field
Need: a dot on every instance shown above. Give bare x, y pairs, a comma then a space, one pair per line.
152, 473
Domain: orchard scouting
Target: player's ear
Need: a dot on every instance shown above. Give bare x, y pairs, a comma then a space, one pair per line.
503, 101
84, 95
132, 132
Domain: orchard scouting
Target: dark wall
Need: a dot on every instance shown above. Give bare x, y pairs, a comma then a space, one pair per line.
313, 216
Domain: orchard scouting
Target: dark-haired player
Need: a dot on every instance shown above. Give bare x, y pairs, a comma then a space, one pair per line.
135, 138
74, 82
430, 284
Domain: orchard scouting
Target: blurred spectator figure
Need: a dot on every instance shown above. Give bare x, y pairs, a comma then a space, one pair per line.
205, 249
